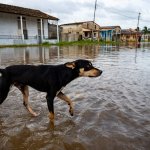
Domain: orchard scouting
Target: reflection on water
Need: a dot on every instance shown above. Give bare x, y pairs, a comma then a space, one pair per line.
31, 55
111, 112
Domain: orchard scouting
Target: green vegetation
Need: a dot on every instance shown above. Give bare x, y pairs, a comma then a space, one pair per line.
146, 30
82, 42
85, 42
18, 45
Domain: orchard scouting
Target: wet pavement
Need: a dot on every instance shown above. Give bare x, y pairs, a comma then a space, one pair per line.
112, 112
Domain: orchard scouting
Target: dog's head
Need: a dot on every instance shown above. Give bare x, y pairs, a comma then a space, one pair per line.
84, 68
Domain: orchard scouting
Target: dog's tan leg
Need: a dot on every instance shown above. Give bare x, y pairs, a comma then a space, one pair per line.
25, 92
66, 99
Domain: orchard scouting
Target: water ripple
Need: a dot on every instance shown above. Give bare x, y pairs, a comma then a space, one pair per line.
110, 112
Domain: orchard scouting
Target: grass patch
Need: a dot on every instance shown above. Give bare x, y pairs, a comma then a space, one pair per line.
86, 42
17, 45
82, 42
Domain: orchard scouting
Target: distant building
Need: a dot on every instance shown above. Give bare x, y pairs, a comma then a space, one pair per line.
80, 31
110, 33
20, 25
52, 31
130, 35
145, 37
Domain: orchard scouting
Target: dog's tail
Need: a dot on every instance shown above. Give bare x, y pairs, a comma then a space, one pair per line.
4, 85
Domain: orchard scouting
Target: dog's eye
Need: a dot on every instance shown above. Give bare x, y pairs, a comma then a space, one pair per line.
89, 65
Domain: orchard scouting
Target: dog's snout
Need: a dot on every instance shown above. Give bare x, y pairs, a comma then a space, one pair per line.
99, 72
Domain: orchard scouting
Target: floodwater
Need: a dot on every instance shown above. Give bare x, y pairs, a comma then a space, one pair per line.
111, 112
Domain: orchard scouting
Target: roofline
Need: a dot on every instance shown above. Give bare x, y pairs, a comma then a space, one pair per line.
28, 9
75, 23
109, 27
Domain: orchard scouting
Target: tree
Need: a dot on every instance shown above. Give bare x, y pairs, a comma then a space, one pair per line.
146, 30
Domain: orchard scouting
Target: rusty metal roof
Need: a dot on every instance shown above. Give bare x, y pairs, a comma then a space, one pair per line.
25, 11
110, 27
77, 23
129, 31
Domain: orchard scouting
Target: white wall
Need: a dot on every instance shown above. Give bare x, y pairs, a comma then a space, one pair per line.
9, 28
45, 28
32, 26
8, 24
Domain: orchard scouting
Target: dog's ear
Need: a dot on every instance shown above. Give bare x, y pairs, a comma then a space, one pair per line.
70, 65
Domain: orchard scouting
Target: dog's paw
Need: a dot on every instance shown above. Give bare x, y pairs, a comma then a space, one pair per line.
36, 114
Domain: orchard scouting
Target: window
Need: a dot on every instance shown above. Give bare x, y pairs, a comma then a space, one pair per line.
19, 22
25, 32
24, 23
38, 24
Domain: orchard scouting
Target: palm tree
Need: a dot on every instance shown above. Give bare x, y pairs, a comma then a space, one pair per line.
146, 30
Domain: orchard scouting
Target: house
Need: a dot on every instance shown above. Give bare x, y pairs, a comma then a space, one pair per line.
79, 31
130, 35
110, 33
145, 37
20, 25
52, 28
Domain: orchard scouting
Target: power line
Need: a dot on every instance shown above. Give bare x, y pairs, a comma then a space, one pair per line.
129, 11
145, 20
120, 14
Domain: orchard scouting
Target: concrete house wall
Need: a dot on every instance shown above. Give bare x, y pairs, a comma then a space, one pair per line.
10, 34
130, 35
110, 33
20, 25
80, 30
146, 37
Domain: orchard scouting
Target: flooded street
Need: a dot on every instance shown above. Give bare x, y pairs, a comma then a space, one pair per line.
111, 112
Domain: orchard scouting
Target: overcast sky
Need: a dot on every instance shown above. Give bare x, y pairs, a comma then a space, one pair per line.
108, 12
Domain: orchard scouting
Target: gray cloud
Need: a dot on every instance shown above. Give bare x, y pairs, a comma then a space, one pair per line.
109, 12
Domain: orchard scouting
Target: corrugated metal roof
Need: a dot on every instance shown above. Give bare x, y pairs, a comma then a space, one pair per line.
110, 27
77, 23
129, 31
25, 11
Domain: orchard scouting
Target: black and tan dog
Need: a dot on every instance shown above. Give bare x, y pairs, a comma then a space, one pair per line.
46, 78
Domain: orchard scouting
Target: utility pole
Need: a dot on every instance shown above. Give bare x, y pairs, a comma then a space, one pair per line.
94, 18
95, 10
137, 38
138, 21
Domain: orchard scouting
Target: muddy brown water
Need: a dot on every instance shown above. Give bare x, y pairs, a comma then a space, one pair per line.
111, 112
